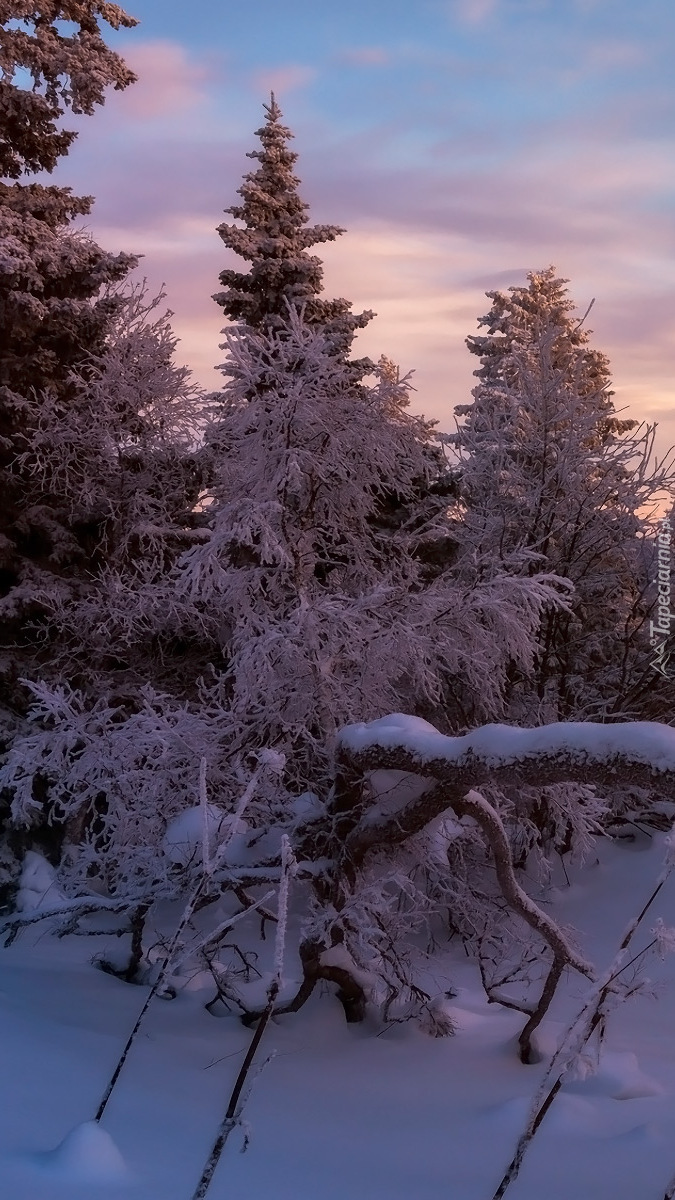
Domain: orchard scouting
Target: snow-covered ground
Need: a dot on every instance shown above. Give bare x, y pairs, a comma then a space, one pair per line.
341, 1111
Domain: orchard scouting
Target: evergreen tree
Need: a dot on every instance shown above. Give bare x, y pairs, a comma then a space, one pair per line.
275, 239
56, 302
553, 480
122, 466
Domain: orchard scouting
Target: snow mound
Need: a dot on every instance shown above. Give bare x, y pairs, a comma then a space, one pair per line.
465, 1019
37, 885
511, 1114
585, 742
86, 1155
618, 1076
642, 1136
187, 835
572, 1114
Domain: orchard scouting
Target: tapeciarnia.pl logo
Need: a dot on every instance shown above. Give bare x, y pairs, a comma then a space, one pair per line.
660, 629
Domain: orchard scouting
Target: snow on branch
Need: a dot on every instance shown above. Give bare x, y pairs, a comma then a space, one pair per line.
69, 911
640, 753
438, 773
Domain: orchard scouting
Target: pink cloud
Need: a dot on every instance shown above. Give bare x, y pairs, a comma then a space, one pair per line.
283, 79
169, 82
474, 12
365, 56
423, 245
611, 53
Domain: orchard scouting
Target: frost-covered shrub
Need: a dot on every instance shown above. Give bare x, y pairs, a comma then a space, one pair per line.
112, 776
326, 617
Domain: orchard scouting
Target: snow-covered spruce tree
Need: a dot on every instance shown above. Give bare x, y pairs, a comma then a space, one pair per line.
123, 462
55, 310
97, 423
118, 464
553, 480
552, 475
275, 239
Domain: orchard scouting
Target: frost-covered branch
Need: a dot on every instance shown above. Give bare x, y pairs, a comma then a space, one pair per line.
638, 753
437, 774
68, 911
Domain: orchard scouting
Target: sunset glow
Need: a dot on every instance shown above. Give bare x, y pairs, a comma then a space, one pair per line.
460, 144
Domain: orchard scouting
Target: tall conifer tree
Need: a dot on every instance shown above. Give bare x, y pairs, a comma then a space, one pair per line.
55, 306
328, 525
553, 479
275, 239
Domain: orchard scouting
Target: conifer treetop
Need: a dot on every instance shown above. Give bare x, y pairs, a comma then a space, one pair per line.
538, 373
275, 240
523, 315
525, 320
60, 64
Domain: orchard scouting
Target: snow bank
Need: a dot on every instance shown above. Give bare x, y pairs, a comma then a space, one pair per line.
618, 1076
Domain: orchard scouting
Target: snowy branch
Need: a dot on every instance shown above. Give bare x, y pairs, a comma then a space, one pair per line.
640, 754
72, 912
439, 773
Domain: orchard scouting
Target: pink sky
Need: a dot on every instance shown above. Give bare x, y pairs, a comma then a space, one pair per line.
488, 138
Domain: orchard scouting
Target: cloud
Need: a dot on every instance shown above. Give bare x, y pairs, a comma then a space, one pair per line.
498, 280
427, 237
474, 12
170, 82
283, 79
423, 247
612, 53
607, 56
364, 56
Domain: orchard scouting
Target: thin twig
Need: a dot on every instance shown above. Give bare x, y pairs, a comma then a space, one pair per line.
238, 1099
170, 951
590, 1018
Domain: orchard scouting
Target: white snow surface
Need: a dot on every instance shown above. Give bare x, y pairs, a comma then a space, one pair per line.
646, 741
341, 1110
187, 834
87, 1155
38, 887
